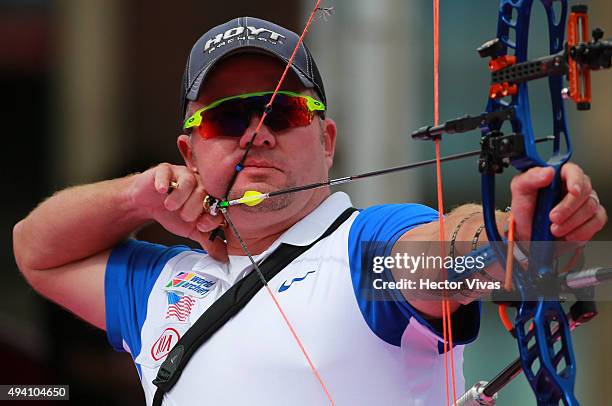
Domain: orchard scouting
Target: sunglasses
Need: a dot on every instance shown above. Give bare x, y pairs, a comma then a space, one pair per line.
231, 116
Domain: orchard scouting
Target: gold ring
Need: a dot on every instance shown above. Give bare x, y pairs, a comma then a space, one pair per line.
174, 184
207, 202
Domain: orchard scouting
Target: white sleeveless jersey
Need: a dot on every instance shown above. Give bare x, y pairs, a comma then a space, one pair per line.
368, 352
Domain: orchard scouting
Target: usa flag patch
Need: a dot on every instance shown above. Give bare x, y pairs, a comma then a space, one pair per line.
179, 307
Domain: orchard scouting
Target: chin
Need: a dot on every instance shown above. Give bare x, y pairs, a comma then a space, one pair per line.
262, 186
272, 204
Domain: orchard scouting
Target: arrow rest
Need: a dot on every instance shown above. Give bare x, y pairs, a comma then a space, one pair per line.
498, 150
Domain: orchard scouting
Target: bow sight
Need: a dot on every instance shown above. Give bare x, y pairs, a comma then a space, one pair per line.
576, 61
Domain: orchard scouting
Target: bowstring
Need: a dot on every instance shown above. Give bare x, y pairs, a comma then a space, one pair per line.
277, 303
447, 329
230, 223
269, 105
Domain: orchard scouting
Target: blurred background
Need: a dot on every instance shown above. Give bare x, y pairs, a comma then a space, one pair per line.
89, 91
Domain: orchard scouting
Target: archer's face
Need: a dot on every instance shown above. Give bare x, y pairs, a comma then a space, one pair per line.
277, 160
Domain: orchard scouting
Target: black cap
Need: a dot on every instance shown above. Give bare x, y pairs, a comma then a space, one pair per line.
247, 34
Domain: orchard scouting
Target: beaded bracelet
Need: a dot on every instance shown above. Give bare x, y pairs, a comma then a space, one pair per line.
456, 231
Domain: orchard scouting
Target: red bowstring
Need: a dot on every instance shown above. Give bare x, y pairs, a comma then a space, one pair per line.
289, 63
302, 348
314, 370
447, 329
509, 254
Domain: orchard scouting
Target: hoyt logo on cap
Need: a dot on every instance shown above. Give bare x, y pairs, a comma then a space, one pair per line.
251, 34
236, 33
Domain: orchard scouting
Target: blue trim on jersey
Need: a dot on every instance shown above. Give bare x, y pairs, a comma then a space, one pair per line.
131, 272
374, 233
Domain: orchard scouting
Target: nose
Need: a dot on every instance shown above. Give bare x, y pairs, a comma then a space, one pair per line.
264, 137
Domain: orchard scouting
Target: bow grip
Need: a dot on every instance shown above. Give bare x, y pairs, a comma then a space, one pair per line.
542, 249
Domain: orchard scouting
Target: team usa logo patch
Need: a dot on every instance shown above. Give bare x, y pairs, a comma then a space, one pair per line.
191, 284
165, 343
179, 307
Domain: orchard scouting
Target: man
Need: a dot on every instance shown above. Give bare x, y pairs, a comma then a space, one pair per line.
73, 249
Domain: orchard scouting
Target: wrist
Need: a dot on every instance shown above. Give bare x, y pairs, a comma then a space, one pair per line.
126, 200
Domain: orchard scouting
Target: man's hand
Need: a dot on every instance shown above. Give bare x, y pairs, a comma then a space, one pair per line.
179, 210
576, 218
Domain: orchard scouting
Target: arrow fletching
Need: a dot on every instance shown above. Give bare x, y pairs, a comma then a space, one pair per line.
252, 198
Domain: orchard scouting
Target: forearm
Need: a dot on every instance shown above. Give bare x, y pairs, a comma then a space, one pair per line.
76, 223
462, 229
460, 225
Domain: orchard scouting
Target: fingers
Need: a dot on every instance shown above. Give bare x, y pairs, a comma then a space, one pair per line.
579, 216
531, 181
525, 189
575, 179
586, 231
207, 223
582, 215
216, 249
193, 209
579, 189
193, 206
582, 225
188, 197
180, 209
187, 185
163, 177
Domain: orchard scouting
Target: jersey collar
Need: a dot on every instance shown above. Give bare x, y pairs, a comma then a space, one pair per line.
307, 229
314, 224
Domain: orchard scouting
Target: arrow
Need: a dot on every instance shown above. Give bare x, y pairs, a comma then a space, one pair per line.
253, 197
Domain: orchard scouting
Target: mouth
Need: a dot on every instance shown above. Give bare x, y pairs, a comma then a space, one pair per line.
259, 164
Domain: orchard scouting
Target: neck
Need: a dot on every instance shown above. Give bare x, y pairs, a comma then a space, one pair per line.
259, 230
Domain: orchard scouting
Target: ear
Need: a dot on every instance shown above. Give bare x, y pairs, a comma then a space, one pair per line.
186, 148
329, 140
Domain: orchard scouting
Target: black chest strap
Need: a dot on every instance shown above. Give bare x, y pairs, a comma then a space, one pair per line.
227, 306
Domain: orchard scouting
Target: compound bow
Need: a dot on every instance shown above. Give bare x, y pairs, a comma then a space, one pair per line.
549, 365
549, 368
